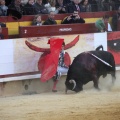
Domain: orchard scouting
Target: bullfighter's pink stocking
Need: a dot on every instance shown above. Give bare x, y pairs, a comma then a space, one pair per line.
54, 86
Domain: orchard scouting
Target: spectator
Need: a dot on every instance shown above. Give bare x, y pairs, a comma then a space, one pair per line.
74, 18
117, 4
99, 5
65, 2
94, 7
40, 8
3, 7
103, 25
24, 2
61, 8
29, 8
115, 19
52, 2
73, 6
50, 20
105, 5
37, 20
1, 35
16, 6
45, 2
85, 6
1, 12
50, 5
111, 5
8, 2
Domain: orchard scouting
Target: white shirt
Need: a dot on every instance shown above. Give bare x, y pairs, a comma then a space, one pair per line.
109, 27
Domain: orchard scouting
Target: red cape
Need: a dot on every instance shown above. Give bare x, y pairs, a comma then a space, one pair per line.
49, 61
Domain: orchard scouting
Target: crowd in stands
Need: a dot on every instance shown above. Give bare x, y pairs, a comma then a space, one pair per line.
33, 7
18, 8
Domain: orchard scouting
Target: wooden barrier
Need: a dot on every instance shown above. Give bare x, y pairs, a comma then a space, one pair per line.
13, 25
5, 32
50, 30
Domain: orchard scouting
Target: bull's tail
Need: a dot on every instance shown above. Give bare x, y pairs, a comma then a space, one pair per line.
100, 47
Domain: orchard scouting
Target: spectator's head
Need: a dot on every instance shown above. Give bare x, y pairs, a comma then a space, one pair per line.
75, 13
84, 2
2, 2
51, 15
77, 1
17, 2
37, 18
31, 2
39, 2
60, 2
106, 18
23, 2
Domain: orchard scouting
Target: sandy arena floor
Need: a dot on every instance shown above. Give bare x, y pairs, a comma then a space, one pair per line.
87, 105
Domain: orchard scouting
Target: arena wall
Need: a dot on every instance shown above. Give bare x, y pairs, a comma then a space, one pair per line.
19, 73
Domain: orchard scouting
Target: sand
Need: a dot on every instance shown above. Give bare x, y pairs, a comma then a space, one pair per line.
89, 104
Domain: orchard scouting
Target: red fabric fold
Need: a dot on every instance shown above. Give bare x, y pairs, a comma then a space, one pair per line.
51, 60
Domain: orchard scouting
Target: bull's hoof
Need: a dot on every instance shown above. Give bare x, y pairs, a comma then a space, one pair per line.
54, 90
98, 89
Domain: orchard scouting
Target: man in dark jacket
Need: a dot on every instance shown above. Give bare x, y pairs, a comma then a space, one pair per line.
29, 8
16, 6
74, 18
40, 8
50, 20
60, 6
73, 6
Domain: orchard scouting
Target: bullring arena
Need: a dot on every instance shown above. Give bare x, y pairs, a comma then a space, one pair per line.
30, 99
89, 104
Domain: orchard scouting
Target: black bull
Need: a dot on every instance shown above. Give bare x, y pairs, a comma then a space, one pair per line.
89, 66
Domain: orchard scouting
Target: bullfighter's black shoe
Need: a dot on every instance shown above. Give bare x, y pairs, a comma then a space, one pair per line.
54, 90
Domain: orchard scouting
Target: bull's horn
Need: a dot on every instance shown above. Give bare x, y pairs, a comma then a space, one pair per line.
73, 81
35, 48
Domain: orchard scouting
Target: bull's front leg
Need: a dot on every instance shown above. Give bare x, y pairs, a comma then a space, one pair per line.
113, 77
96, 82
